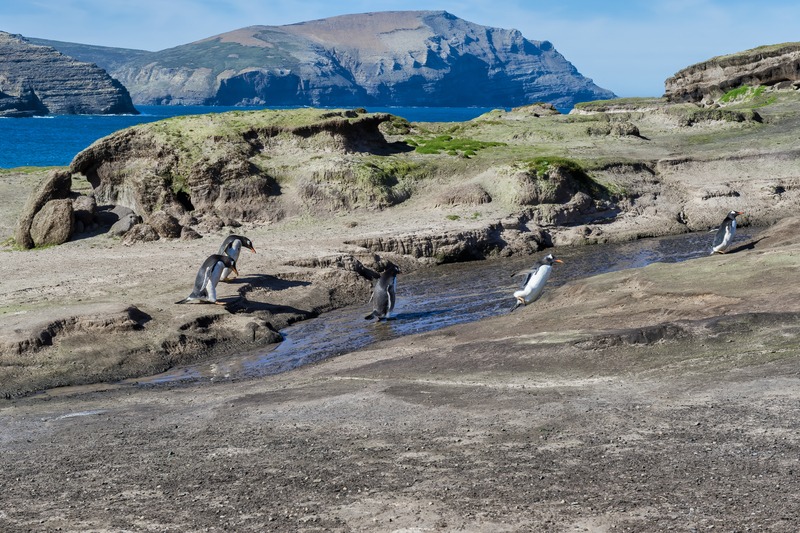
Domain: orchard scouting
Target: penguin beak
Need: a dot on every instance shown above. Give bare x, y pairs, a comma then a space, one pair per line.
557, 261
235, 271
252, 249
740, 212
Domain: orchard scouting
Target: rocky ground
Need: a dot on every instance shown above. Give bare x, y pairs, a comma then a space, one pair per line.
655, 399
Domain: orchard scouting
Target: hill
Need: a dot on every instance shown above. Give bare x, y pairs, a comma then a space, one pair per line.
38, 80
401, 58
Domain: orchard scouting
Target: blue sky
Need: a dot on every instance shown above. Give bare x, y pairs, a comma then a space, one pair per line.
629, 47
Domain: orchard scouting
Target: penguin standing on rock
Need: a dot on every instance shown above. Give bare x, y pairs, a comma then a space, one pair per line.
231, 247
725, 233
536, 277
205, 284
383, 294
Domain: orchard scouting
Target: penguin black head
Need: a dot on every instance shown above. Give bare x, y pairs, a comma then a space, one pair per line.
549, 260
391, 269
733, 214
246, 243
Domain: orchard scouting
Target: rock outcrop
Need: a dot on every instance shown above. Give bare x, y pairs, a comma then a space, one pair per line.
38, 80
403, 58
766, 65
225, 177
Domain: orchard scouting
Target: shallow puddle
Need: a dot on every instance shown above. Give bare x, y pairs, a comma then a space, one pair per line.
434, 298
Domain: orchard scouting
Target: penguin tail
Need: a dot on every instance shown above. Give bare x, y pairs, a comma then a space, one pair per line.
371, 316
182, 301
516, 304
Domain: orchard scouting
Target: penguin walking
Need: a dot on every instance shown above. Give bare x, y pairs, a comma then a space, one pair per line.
536, 277
205, 284
231, 247
725, 233
383, 294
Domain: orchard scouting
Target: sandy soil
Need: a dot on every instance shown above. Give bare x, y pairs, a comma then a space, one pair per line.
658, 399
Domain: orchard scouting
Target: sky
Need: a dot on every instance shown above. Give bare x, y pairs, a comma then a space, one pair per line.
628, 47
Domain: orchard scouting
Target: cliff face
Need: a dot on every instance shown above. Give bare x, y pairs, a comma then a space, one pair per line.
766, 65
389, 58
38, 80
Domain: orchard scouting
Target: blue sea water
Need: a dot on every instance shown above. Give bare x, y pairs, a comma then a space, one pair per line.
55, 140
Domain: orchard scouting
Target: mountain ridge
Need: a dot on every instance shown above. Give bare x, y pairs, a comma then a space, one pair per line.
392, 58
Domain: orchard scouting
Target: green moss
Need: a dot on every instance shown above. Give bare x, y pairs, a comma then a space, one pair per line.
743, 92
450, 145
452, 217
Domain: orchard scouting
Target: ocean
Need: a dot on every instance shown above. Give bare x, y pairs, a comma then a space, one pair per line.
55, 140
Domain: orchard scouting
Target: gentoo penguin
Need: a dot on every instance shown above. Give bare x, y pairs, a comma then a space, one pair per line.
534, 282
725, 233
205, 284
231, 247
383, 294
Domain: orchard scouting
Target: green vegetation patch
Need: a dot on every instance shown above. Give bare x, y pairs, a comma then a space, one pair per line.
544, 169
450, 145
745, 92
387, 180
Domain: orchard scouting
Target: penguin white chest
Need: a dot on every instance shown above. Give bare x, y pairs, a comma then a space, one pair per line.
534, 286
213, 280
727, 238
730, 231
235, 248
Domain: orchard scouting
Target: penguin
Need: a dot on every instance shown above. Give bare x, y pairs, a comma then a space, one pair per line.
205, 284
231, 247
725, 233
383, 294
535, 279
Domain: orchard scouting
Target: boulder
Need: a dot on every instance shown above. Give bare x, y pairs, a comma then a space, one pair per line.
53, 223
140, 233
110, 214
167, 226
57, 185
85, 209
124, 225
188, 234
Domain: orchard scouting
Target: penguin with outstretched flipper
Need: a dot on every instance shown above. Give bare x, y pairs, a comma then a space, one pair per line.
536, 277
384, 293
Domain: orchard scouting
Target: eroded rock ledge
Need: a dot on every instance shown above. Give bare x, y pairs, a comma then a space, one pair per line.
766, 65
